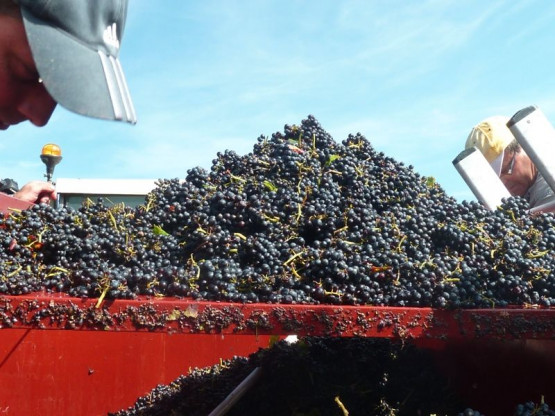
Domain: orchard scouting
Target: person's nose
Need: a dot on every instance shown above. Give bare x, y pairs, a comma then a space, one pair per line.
37, 105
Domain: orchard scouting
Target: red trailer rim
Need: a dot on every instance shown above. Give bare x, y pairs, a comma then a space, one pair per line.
59, 311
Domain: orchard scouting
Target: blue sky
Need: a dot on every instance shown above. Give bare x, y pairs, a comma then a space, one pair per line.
411, 76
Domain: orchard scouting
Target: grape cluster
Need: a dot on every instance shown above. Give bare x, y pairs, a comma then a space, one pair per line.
300, 219
534, 409
522, 409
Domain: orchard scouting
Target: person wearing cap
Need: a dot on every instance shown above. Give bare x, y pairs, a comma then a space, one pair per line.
511, 163
61, 52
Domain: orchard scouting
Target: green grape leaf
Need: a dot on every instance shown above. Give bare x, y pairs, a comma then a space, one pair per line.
159, 230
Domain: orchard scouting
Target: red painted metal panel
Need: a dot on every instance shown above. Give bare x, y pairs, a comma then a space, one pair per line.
61, 372
9, 203
67, 356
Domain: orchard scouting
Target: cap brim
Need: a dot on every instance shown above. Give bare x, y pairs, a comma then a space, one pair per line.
497, 164
79, 78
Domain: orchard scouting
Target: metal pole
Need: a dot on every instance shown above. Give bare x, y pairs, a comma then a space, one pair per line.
237, 393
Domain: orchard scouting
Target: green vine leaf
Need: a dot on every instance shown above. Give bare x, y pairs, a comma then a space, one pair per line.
159, 230
332, 159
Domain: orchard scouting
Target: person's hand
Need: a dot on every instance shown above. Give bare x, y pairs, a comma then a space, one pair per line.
37, 192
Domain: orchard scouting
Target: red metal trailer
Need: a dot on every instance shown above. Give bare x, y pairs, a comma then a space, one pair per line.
63, 355
70, 356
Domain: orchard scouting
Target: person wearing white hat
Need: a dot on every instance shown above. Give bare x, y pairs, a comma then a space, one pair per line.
61, 52
509, 161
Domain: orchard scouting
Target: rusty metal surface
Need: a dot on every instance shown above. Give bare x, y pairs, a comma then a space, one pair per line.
46, 311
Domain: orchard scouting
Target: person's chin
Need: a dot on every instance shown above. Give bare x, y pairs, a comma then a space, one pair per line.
517, 191
4, 126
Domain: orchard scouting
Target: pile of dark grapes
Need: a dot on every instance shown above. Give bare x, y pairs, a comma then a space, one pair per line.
315, 376
322, 376
300, 219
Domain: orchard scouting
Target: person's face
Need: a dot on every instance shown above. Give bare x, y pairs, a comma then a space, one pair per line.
22, 96
518, 172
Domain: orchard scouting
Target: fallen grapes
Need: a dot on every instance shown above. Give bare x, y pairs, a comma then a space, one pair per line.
300, 219
315, 376
323, 376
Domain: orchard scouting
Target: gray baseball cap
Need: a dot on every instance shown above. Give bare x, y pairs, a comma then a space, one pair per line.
75, 45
